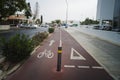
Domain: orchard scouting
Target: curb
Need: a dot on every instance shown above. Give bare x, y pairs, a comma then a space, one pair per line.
6, 73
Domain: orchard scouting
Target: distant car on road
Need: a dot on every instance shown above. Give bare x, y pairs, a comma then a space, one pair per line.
28, 26
22, 25
33, 26
108, 28
45, 26
96, 27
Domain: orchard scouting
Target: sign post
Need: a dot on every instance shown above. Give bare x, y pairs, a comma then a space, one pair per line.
59, 59
59, 54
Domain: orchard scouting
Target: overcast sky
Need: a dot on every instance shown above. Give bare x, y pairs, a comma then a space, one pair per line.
56, 9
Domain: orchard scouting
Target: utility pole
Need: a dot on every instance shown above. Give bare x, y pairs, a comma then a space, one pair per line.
41, 18
66, 12
35, 16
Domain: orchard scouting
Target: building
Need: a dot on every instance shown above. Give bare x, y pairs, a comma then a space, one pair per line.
108, 13
16, 19
116, 18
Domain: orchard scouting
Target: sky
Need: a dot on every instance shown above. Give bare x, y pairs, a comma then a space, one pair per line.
78, 10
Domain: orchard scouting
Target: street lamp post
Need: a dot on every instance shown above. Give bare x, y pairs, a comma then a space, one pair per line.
66, 12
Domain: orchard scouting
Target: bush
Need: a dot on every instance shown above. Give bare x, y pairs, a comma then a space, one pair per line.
17, 48
51, 30
39, 37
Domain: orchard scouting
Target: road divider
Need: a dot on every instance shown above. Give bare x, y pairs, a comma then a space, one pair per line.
59, 54
59, 58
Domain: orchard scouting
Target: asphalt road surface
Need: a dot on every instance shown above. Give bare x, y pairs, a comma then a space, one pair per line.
29, 32
77, 64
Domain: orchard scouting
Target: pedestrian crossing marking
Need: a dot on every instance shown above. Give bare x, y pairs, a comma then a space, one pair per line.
75, 55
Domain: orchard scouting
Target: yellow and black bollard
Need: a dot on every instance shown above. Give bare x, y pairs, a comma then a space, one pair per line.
59, 58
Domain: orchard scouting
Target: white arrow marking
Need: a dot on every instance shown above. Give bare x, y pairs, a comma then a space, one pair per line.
51, 42
78, 57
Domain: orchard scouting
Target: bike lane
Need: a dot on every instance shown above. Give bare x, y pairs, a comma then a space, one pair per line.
77, 64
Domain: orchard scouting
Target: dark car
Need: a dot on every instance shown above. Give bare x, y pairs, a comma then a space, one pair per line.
96, 27
108, 28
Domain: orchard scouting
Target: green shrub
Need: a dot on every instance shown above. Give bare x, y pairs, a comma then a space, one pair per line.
17, 48
39, 37
51, 30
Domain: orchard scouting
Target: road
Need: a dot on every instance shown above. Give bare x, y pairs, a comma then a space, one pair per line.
30, 32
77, 63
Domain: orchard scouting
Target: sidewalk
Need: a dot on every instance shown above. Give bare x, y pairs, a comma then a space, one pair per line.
110, 36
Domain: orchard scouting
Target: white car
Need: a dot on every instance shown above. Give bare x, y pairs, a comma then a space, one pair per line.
34, 26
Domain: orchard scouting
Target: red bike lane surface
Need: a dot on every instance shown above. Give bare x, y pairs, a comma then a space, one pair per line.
74, 66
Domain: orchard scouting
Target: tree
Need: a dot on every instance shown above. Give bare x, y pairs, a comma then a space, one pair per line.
58, 21
38, 21
52, 22
89, 21
17, 48
9, 7
28, 11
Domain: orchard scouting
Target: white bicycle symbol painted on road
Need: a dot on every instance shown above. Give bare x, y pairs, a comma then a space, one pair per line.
46, 53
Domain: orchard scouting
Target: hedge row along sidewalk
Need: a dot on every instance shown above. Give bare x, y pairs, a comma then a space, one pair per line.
33, 44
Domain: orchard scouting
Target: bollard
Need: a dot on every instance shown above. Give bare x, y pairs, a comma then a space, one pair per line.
59, 59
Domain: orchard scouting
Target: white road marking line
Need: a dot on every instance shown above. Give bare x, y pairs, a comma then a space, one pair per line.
97, 67
51, 42
78, 57
60, 45
83, 67
69, 66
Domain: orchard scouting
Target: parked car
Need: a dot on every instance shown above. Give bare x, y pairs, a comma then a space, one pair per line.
28, 26
21, 25
33, 26
45, 26
108, 28
96, 27
13, 25
117, 30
